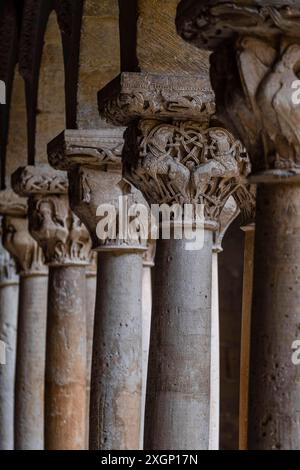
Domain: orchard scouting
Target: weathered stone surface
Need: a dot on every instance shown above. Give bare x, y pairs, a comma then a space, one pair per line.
31, 356
99, 58
65, 405
117, 355
274, 379
159, 48
178, 389
51, 116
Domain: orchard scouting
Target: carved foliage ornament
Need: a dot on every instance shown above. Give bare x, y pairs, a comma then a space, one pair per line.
64, 239
186, 163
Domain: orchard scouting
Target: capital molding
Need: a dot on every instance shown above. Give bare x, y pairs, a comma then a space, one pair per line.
184, 162
253, 73
145, 95
62, 237
93, 159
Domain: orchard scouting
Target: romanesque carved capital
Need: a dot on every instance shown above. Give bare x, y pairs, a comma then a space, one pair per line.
16, 237
209, 23
62, 237
253, 73
144, 95
186, 162
94, 164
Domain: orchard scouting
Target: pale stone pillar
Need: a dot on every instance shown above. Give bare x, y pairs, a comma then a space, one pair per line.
9, 293
246, 334
94, 164
174, 156
32, 313
228, 215
91, 285
148, 263
255, 74
66, 246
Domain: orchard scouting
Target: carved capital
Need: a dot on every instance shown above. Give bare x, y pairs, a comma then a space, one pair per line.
59, 232
253, 74
185, 162
16, 237
209, 23
94, 164
24, 249
144, 95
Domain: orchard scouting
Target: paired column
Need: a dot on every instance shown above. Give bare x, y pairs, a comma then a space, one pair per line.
255, 75
177, 158
9, 293
97, 194
66, 246
32, 313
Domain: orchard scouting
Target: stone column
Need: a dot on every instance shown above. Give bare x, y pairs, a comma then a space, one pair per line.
32, 313
66, 246
96, 188
91, 285
246, 334
9, 293
255, 73
148, 264
174, 155
227, 216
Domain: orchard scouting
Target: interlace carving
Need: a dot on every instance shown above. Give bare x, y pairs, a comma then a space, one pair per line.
186, 163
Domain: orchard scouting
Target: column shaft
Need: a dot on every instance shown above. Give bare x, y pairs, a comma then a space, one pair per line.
245, 336
117, 354
8, 334
91, 284
274, 418
178, 390
30, 369
66, 359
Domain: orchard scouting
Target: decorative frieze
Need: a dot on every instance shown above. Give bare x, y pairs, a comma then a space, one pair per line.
144, 95
63, 238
